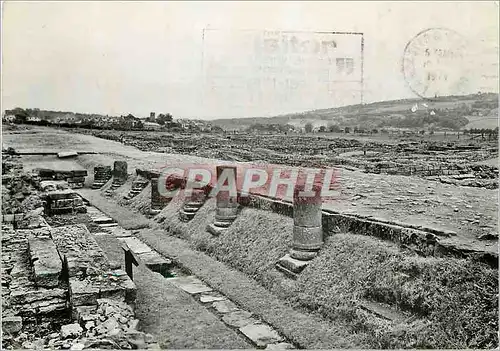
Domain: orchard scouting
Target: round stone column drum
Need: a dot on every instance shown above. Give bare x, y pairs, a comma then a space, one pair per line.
227, 203
307, 227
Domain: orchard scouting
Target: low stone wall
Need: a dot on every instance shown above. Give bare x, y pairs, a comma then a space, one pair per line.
420, 239
21, 295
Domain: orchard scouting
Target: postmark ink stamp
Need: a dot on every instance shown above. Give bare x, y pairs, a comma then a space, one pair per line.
435, 63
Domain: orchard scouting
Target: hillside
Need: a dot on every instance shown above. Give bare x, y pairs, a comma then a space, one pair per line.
450, 112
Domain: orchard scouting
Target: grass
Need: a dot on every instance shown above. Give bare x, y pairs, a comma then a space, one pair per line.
170, 314
443, 302
452, 303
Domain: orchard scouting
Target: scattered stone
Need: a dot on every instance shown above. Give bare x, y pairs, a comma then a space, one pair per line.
77, 346
137, 339
71, 330
211, 298
280, 346
261, 334
238, 319
66, 154
225, 306
190, 284
133, 324
12, 324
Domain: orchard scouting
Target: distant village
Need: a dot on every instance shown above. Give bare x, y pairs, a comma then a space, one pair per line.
96, 121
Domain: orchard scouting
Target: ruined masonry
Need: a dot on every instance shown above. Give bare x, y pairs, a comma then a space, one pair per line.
227, 204
137, 187
158, 202
102, 174
193, 203
63, 201
119, 176
75, 178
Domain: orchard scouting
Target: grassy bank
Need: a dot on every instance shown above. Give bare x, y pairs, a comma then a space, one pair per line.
437, 302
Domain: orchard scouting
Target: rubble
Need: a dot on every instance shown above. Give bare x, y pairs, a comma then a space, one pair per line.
411, 157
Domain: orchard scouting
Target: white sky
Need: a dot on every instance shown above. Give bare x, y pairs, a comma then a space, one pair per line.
137, 57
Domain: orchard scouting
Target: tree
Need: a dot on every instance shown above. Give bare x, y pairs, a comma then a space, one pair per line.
162, 119
308, 127
322, 129
20, 114
347, 130
334, 128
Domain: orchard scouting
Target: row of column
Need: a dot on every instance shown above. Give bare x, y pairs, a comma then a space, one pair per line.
307, 216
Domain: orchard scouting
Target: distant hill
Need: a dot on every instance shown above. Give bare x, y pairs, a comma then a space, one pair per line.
450, 112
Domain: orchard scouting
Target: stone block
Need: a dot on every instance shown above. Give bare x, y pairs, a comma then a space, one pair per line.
224, 306
190, 284
204, 298
71, 331
12, 324
293, 265
120, 170
47, 265
280, 346
137, 246
66, 154
155, 261
261, 334
238, 319
82, 292
25, 296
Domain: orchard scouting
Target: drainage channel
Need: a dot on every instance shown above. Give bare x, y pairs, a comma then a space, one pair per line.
254, 330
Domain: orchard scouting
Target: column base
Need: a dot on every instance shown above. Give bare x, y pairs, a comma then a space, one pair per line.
186, 216
215, 230
154, 212
291, 266
303, 255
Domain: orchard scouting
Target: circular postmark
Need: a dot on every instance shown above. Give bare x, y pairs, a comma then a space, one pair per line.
434, 63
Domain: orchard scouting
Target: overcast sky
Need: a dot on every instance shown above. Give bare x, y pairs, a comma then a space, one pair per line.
136, 57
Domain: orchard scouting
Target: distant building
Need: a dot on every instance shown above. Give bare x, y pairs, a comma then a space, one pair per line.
9, 118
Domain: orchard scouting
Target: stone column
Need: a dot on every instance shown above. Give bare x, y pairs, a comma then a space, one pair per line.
307, 231
227, 205
120, 172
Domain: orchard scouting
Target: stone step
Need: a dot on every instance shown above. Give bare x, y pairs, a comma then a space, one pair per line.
137, 246
108, 225
190, 284
102, 220
155, 261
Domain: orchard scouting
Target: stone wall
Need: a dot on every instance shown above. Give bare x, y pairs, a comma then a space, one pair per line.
420, 239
